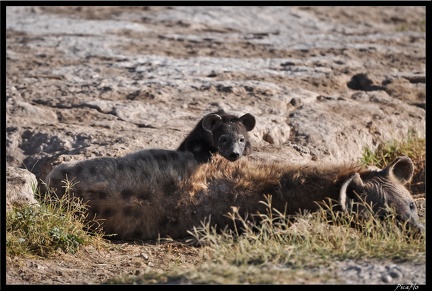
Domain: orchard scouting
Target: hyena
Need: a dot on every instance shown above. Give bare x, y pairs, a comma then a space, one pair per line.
220, 132
156, 193
127, 193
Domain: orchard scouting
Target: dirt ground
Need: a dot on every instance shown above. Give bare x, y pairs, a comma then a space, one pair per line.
86, 89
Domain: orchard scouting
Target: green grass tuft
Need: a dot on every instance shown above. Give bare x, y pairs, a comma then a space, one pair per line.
413, 147
55, 224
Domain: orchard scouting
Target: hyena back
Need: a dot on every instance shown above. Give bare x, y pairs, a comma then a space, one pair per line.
155, 194
133, 196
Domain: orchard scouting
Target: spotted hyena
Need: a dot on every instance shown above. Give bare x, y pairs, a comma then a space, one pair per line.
222, 133
127, 194
159, 193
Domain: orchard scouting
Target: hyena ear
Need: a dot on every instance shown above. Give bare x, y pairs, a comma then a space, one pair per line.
248, 121
356, 183
210, 120
402, 168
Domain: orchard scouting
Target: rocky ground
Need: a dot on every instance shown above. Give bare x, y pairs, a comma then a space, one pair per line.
323, 83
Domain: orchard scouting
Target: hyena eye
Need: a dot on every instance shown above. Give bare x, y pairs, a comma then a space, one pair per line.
223, 139
241, 138
412, 206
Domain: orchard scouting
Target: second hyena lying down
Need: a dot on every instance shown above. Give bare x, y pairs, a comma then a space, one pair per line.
160, 193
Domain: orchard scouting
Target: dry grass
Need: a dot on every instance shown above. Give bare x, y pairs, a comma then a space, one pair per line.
258, 254
253, 254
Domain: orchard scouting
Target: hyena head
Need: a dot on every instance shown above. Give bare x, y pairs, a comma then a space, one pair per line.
385, 191
230, 133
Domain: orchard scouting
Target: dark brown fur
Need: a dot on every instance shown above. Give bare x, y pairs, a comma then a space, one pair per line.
169, 194
220, 132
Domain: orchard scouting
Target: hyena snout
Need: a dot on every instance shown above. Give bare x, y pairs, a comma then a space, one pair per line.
232, 151
231, 155
234, 156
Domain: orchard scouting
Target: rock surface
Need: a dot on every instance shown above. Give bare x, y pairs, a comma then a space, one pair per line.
20, 185
323, 82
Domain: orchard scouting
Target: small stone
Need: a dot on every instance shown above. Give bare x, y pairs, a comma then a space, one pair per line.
386, 278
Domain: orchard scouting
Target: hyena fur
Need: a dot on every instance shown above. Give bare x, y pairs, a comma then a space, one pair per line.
220, 132
154, 194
